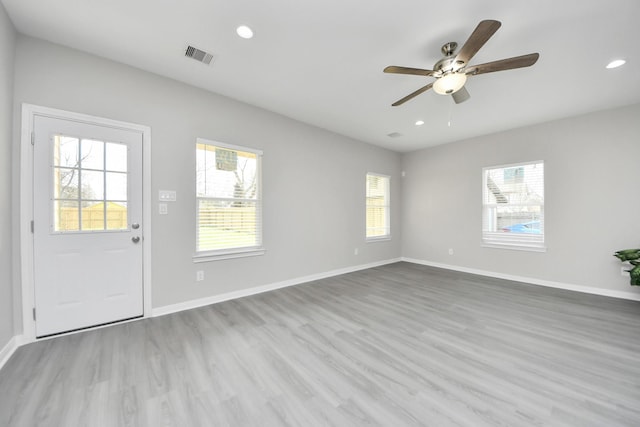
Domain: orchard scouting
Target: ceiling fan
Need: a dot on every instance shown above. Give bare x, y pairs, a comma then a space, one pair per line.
451, 71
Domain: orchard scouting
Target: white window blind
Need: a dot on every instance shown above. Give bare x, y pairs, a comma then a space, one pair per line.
378, 207
228, 193
513, 206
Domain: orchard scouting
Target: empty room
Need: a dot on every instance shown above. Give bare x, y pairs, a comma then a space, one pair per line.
243, 213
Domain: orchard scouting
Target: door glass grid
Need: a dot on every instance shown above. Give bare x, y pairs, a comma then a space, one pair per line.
90, 187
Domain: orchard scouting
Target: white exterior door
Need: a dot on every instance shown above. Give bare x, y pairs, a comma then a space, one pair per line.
87, 233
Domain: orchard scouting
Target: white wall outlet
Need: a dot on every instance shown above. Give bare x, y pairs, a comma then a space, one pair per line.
356, 251
199, 276
167, 196
450, 251
163, 209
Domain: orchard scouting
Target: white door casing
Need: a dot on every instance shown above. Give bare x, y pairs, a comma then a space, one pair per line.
88, 271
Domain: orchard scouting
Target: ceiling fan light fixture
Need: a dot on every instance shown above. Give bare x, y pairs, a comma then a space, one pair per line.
449, 83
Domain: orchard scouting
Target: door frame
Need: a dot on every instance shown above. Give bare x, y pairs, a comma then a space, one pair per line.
29, 113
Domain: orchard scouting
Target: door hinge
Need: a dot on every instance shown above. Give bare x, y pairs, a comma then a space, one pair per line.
32, 226
33, 138
34, 314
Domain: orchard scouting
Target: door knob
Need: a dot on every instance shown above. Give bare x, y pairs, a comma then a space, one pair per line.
135, 239
135, 225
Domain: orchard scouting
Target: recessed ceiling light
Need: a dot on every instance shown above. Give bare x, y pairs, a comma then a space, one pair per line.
419, 122
616, 63
244, 32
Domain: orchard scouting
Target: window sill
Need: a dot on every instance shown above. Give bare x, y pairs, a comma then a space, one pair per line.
515, 247
230, 254
377, 239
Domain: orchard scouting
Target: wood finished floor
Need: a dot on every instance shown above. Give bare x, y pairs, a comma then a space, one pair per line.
397, 345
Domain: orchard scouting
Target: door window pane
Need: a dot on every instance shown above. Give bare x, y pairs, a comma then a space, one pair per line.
92, 216
116, 215
66, 215
65, 151
92, 154
116, 157
116, 186
65, 183
92, 185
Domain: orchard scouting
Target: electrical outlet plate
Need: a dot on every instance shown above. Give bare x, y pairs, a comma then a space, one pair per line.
167, 196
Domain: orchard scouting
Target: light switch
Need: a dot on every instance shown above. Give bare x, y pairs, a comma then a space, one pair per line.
167, 196
163, 209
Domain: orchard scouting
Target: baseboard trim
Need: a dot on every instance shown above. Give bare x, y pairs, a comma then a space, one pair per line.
187, 305
7, 351
531, 280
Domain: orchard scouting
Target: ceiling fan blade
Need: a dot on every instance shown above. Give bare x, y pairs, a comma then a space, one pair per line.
477, 39
460, 95
504, 64
408, 70
412, 95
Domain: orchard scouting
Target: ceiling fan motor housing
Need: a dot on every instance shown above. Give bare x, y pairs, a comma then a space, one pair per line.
448, 64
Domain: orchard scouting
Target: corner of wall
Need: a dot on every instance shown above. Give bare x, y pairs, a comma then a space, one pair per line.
7, 184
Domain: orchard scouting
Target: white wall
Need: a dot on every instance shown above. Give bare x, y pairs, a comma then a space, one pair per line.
7, 49
314, 180
592, 206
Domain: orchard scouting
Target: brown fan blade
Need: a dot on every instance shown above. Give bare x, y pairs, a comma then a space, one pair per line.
477, 39
407, 70
412, 95
504, 64
460, 95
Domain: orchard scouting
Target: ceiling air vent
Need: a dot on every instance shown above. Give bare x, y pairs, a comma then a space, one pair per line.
198, 55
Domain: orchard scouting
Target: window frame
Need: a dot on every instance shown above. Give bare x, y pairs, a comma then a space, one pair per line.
513, 241
387, 205
231, 252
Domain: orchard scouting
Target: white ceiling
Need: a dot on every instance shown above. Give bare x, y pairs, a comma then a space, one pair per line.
321, 62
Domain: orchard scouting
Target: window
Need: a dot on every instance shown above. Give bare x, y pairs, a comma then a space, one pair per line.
513, 206
378, 207
229, 205
89, 185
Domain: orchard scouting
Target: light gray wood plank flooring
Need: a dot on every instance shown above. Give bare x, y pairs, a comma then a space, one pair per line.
397, 345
